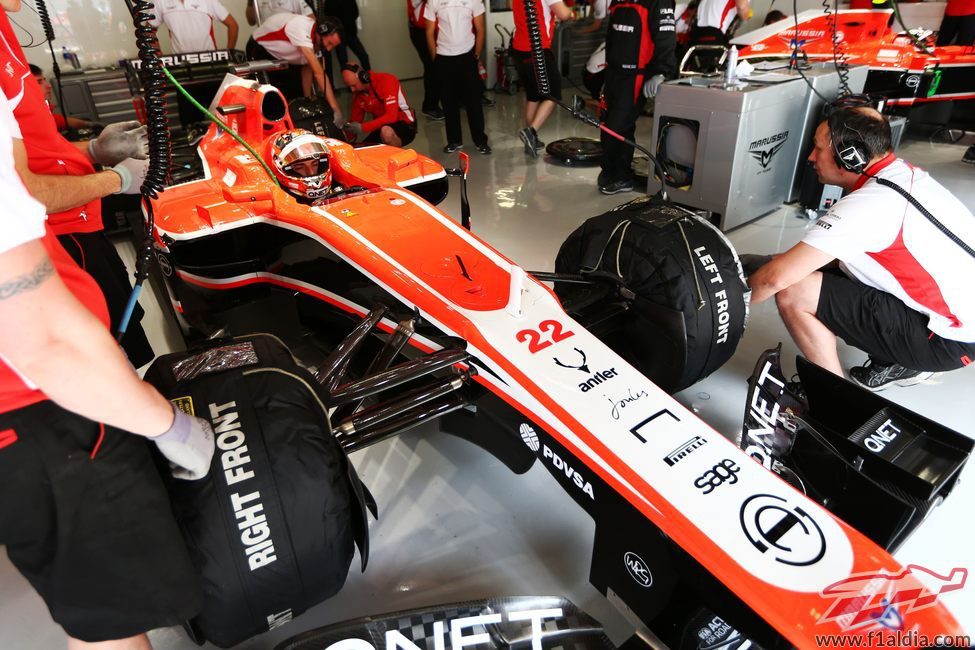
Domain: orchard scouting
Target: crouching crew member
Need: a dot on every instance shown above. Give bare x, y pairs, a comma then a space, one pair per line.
293, 38
379, 95
84, 515
902, 291
640, 48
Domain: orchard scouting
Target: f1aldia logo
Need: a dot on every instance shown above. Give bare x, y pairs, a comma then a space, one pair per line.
881, 599
637, 569
765, 149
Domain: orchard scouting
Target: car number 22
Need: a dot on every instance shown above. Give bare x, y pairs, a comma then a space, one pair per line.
547, 333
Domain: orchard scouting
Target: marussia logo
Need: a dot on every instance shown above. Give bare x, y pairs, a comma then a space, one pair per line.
881, 599
765, 149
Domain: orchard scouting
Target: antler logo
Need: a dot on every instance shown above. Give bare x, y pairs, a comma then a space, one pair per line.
882, 599
765, 149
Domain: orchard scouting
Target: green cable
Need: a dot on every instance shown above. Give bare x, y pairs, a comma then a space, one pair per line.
216, 120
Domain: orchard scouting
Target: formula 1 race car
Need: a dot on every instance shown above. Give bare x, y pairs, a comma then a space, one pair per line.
899, 68
687, 525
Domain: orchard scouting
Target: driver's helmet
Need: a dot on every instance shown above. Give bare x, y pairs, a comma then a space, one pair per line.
300, 161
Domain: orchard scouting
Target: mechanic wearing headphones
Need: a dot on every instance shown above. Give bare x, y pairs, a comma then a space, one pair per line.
61, 175
190, 24
292, 38
640, 48
537, 107
83, 511
902, 291
379, 95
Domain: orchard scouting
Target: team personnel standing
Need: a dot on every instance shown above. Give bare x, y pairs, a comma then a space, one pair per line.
714, 19
84, 515
379, 95
260, 11
292, 38
190, 23
418, 36
347, 11
640, 48
61, 175
456, 49
958, 25
903, 288
538, 107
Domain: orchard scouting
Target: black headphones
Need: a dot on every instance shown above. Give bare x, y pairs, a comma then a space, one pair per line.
361, 73
328, 25
849, 149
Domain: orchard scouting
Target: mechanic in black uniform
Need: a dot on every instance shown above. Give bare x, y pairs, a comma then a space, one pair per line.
347, 11
640, 48
84, 515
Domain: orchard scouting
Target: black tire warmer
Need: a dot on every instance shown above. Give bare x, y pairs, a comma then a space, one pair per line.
690, 303
271, 528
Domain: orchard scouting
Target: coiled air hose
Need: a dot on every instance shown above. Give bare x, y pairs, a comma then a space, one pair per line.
45, 18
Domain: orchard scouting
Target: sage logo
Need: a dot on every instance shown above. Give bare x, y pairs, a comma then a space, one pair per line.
765, 149
529, 436
715, 477
637, 569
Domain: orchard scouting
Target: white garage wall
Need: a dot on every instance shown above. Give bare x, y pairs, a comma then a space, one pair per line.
100, 33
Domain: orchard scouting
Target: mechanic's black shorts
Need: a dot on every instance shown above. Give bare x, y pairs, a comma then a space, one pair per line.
526, 72
884, 327
406, 131
86, 519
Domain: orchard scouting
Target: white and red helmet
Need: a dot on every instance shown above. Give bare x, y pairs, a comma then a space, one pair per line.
300, 161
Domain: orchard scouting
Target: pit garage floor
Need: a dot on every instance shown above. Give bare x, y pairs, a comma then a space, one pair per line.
454, 523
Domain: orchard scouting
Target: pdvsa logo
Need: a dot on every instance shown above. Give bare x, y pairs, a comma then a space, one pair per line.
529, 436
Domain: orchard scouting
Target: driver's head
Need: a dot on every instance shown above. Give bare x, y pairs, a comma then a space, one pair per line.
300, 161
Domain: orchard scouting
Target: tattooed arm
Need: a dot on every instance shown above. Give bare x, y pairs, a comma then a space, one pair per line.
51, 339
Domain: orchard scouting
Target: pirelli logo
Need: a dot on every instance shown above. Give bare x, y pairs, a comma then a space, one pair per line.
684, 450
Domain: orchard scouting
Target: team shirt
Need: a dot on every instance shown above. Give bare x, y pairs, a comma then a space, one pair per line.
454, 18
414, 11
283, 34
268, 8
190, 23
884, 242
47, 150
520, 41
384, 101
599, 9
716, 13
22, 220
960, 8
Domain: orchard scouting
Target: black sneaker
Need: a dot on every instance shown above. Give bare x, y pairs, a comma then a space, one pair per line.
434, 114
876, 377
452, 148
969, 156
530, 138
617, 186
484, 149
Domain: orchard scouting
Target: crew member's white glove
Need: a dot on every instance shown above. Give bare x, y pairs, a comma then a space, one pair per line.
353, 130
188, 446
338, 119
651, 85
132, 172
120, 141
